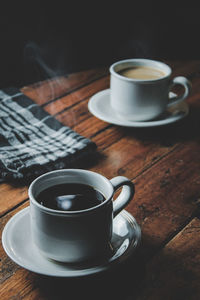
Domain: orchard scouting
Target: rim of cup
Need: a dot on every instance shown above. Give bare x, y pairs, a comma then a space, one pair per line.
106, 181
132, 62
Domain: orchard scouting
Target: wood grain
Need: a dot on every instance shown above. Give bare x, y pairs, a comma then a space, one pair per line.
174, 273
7, 266
11, 196
87, 91
163, 163
167, 196
158, 201
48, 90
90, 126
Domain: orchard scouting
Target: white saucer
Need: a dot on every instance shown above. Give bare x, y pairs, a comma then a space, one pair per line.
18, 245
99, 106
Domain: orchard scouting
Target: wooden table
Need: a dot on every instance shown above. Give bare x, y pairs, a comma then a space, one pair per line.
164, 164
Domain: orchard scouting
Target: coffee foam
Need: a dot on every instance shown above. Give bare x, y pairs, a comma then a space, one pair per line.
142, 72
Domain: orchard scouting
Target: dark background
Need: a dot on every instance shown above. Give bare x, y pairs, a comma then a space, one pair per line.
39, 41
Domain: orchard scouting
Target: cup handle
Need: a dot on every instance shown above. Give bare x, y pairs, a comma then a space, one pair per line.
126, 194
181, 81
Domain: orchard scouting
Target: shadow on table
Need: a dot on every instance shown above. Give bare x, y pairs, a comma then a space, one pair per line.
174, 272
118, 283
185, 130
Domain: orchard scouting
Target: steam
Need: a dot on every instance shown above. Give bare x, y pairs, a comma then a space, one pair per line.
35, 61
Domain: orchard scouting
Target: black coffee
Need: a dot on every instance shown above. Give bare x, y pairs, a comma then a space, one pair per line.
70, 197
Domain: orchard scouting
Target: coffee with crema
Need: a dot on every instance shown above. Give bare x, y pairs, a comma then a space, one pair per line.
142, 72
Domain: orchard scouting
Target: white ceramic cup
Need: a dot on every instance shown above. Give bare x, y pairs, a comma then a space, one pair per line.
76, 236
143, 100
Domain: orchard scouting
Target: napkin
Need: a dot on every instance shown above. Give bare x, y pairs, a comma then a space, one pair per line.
33, 142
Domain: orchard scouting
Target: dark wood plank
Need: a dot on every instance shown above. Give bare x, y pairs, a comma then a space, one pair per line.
7, 266
137, 151
159, 203
90, 126
154, 159
108, 136
75, 97
174, 273
23, 284
114, 160
76, 114
129, 156
48, 90
11, 196
167, 196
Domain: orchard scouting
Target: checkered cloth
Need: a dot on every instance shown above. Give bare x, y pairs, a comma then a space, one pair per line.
33, 142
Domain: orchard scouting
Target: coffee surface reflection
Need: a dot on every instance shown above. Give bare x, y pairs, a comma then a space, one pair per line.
70, 197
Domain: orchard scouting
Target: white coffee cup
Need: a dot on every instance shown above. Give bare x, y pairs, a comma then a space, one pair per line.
143, 99
76, 236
